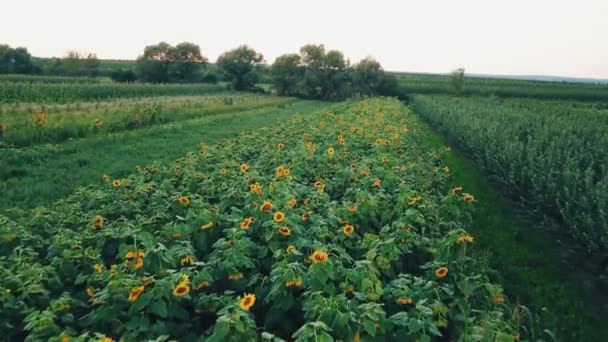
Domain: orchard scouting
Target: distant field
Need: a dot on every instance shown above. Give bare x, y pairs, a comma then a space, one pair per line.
438, 84
35, 123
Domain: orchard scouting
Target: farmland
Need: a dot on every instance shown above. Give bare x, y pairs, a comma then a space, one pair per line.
188, 211
226, 241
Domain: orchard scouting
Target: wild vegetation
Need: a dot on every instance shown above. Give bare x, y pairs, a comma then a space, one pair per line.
294, 225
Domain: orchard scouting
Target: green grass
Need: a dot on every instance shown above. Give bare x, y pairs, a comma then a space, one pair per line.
526, 263
41, 174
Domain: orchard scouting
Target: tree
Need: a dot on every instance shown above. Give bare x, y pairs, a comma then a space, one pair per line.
239, 67
369, 76
121, 75
287, 71
457, 82
163, 63
15, 61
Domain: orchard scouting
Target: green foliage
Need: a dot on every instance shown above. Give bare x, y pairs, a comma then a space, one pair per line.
548, 155
123, 76
320, 74
239, 65
457, 82
162, 63
15, 61
75, 64
69, 270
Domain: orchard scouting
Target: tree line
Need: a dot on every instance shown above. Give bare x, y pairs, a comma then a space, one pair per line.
314, 72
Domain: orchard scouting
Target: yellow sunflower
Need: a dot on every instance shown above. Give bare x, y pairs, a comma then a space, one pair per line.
247, 301
441, 272
266, 206
244, 167
319, 256
284, 231
348, 229
187, 260
181, 289
135, 293
279, 216
184, 200
246, 223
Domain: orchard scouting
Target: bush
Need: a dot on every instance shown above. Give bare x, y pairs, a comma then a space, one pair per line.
123, 76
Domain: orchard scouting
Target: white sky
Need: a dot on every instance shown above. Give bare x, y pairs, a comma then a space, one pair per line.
532, 37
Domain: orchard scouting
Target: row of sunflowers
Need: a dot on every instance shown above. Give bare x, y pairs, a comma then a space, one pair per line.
336, 225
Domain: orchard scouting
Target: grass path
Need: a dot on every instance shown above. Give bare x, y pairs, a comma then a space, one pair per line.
523, 257
41, 174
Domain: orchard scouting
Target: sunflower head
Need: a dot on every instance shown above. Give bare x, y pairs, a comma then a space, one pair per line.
441, 272
280, 146
378, 142
135, 293
244, 168
187, 260
116, 183
330, 151
97, 222
377, 183
319, 257
139, 263
246, 223
468, 198
279, 216
285, 232
266, 206
499, 299
247, 301
348, 229
404, 300
291, 249
181, 289
465, 239
184, 200
105, 178
352, 208
292, 202
455, 191
207, 225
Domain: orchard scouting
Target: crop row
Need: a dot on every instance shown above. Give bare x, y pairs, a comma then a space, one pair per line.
14, 92
341, 225
549, 155
54, 124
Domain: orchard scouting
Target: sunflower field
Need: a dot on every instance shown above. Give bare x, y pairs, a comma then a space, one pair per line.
336, 225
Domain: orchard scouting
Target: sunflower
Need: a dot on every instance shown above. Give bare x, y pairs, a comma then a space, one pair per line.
246, 223
139, 263
352, 208
292, 202
98, 268
207, 225
284, 231
116, 183
377, 183
319, 256
106, 339
468, 198
291, 249
279, 171
201, 285
378, 142
244, 167
404, 300
318, 184
499, 299
348, 229
279, 216
137, 168
296, 283
97, 222
414, 200
235, 276
306, 215
181, 289
187, 260
455, 191
184, 200
446, 169
286, 172
403, 168
105, 178
135, 293
247, 301
280, 146
465, 239
90, 292
266, 206
330, 151
223, 171
441, 272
